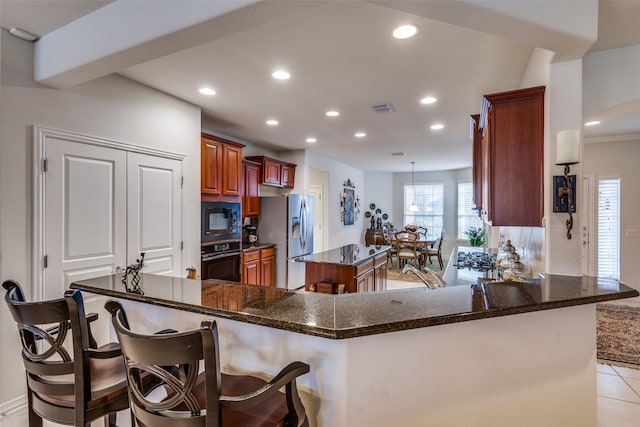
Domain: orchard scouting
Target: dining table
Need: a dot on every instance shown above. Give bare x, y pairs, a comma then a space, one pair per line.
422, 244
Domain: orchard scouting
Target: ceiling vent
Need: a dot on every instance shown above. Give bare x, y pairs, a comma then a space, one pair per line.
383, 108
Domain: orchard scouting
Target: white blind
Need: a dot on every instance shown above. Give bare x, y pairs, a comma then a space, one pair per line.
467, 217
430, 200
609, 228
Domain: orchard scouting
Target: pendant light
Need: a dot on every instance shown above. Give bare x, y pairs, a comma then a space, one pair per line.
413, 207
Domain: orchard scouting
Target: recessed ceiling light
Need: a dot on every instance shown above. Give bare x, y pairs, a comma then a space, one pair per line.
360, 134
207, 91
272, 122
405, 31
428, 100
592, 123
281, 75
398, 154
311, 140
437, 126
332, 113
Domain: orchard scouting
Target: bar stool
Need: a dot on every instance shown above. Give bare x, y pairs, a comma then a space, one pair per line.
180, 396
67, 386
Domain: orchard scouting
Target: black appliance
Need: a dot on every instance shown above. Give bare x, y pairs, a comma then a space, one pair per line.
220, 221
221, 261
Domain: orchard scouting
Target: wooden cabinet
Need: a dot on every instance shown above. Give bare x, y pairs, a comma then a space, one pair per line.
274, 172
374, 237
258, 266
250, 194
366, 276
511, 163
221, 167
477, 165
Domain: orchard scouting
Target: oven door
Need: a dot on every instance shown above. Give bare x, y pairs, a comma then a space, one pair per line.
224, 266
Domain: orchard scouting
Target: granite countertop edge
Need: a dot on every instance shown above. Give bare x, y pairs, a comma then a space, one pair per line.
362, 330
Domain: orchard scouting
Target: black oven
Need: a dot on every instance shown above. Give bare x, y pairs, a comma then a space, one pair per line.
220, 221
221, 261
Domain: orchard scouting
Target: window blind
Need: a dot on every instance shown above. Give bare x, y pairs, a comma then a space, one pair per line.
608, 252
467, 217
430, 200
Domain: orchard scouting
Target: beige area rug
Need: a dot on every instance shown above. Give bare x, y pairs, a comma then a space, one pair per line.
618, 334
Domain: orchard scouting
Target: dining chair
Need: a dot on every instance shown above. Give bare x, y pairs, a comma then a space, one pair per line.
69, 381
436, 251
182, 396
407, 248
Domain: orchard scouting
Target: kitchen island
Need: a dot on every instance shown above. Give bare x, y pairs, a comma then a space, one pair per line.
526, 356
347, 269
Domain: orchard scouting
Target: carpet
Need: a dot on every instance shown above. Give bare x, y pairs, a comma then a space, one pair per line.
618, 333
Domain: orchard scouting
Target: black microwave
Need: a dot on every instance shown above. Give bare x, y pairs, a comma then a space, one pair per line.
220, 221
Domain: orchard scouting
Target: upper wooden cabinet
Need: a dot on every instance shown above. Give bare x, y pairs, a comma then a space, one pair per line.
221, 167
250, 196
477, 166
275, 172
512, 154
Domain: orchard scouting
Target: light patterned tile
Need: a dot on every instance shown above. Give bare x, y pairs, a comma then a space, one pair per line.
605, 369
616, 388
627, 372
634, 384
617, 413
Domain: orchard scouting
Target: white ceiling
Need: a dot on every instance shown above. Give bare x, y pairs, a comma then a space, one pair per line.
342, 56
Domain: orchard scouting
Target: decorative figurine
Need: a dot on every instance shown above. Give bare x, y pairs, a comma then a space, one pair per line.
134, 269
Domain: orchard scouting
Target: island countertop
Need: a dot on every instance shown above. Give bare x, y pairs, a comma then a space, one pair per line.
353, 254
360, 314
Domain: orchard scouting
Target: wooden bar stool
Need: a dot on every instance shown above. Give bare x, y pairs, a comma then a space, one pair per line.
180, 396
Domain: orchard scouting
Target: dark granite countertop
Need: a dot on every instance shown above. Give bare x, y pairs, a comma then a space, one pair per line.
255, 246
346, 255
365, 313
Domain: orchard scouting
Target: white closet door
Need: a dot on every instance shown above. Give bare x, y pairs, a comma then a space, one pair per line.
85, 213
154, 213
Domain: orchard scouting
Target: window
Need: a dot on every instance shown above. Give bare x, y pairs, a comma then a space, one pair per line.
467, 217
430, 200
608, 252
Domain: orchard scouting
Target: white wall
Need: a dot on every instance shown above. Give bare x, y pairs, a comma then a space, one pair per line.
113, 108
606, 160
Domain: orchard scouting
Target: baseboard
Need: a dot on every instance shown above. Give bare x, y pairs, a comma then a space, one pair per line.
13, 407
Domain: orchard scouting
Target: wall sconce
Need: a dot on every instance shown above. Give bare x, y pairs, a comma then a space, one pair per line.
567, 153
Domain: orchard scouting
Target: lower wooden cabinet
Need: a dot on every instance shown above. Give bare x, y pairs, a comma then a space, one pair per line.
258, 266
368, 276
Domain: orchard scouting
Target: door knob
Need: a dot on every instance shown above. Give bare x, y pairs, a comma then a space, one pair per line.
120, 269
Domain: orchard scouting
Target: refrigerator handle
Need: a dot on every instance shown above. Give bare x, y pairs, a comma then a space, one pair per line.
303, 224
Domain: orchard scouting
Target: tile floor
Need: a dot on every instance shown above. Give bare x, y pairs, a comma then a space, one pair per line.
618, 396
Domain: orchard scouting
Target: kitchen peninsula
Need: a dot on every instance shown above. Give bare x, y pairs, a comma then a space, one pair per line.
356, 268
405, 357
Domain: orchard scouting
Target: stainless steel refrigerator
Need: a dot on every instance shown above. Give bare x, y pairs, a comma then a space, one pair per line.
288, 222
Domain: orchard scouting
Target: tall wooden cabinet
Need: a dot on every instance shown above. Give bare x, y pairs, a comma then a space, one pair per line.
221, 167
251, 195
510, 163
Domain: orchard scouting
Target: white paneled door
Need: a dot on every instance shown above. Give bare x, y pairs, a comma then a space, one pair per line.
98, 207
85, 211
154, 213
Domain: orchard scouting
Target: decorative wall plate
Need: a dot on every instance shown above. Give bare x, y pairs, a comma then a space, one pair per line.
372, 206
367, 214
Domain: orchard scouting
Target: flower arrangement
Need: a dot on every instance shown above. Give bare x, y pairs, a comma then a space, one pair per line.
477, 236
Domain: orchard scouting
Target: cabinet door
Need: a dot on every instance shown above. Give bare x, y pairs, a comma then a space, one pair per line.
211, 164
268, 271
271, 172
251, 272
287, 175
477, 161
366, 282
231, 170
381, 277
516, 138
251, 199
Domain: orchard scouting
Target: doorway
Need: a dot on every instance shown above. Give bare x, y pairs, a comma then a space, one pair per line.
98, 205
318, 184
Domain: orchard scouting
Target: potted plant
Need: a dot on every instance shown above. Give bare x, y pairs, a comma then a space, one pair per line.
477, 236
